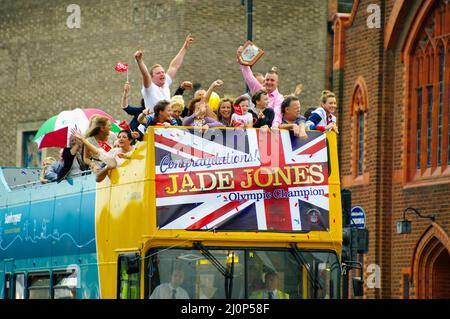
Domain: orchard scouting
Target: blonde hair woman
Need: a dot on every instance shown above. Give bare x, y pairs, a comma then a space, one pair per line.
98, 134
322, 118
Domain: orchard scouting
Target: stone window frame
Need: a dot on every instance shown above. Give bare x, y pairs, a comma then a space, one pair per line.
421, 54
23, 128
359, 105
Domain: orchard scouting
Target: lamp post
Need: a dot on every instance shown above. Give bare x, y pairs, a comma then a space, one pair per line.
404, 226
249, 19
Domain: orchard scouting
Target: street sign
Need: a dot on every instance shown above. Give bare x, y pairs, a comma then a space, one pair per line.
358, 217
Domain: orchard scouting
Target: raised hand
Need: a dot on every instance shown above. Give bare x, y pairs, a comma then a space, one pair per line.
146, 111
77, 135
188, 41
138, 55
135, 134
217, 83
186, 85
298, 89
238, 52
126, 88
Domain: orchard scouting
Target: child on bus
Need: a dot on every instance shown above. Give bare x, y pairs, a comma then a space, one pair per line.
241, 116
263, 116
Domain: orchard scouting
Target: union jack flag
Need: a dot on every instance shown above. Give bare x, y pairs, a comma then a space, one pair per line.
202, 180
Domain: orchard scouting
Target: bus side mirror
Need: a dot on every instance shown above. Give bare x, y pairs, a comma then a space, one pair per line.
131, 262
358, 284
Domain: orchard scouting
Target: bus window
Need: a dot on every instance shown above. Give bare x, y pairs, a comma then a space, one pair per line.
129, 278
19, 286
261, 273
273, 275
39, 286
323, 278
193, 275
7, 290
65, 285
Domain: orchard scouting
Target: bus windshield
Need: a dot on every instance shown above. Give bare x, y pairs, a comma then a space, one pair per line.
255, 274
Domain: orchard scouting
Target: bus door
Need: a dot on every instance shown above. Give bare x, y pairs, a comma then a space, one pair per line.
7, 280
129, 269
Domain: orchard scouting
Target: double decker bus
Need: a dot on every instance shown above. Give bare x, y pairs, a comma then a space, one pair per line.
222, 209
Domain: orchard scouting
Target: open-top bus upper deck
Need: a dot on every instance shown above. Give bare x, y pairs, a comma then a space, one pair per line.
181, 189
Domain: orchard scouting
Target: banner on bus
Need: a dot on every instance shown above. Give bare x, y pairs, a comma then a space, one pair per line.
241, 180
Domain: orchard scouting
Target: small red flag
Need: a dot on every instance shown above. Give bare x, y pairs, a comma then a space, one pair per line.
124, 126
121, 67
238, 109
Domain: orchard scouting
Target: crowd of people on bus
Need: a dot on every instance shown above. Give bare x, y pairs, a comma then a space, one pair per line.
264, 107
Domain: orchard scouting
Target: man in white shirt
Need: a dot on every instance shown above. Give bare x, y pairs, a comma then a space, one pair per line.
156, 83
171, 290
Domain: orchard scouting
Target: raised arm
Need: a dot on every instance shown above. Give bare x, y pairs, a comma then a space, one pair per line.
80, 138
216, 84
142, 118
205, 98
143, 68
126, 91
177, 61
185, 85
247, 73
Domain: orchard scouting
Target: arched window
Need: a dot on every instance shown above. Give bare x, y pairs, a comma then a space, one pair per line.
359, 109
428, 127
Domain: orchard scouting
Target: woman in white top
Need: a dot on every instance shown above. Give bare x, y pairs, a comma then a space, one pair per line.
114, 157
98, 134
322, 118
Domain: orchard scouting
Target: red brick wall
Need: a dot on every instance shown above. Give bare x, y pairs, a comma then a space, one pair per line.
441, 283
386, 195
363, 58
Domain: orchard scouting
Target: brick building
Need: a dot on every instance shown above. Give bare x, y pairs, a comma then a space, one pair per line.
391, 70
386, 77
48, 67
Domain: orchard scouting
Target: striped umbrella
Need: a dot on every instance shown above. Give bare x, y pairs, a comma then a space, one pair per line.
56, 130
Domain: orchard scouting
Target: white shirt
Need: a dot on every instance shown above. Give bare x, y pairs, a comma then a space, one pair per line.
242, 119
110, 158
153, 94
164, 291
324, 120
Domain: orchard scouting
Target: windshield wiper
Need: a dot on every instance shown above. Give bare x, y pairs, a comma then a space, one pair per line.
301, 261
229, 278
227, 272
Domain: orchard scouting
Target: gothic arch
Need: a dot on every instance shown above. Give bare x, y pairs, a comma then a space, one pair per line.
425, 98
432, 245
358, 111
360, 97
